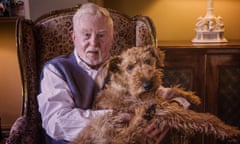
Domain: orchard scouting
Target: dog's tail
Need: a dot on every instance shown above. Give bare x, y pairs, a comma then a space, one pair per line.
190, 122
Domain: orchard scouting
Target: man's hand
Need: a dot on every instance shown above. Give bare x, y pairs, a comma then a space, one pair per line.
125, 117
151, 132
154, 133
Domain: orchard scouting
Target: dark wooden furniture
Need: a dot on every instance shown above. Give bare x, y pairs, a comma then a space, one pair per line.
1, 136
212, 71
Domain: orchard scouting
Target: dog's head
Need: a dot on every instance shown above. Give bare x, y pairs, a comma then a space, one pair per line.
138, 70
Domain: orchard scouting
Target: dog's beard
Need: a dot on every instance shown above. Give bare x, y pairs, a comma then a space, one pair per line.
136, 83
140, 92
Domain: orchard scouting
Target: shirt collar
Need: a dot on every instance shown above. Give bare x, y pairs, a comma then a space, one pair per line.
88, 69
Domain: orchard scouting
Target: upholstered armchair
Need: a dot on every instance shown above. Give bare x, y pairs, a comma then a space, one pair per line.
48, 37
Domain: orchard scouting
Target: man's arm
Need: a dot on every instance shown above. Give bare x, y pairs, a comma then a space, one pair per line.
60, 118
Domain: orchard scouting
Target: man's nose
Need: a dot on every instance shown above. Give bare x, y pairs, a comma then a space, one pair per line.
93, 40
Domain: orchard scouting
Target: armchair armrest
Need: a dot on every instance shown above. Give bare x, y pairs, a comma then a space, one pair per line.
26, 131
17, 131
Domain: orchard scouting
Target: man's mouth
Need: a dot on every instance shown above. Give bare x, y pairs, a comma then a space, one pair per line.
92, 53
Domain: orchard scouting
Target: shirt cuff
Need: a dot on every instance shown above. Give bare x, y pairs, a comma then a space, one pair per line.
181, 101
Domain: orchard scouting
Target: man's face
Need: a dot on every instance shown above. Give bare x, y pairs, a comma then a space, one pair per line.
93, 37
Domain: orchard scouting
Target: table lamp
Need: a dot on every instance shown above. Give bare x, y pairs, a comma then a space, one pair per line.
209, 29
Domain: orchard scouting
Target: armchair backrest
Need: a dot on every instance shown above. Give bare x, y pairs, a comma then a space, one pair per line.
52, 33
48, 37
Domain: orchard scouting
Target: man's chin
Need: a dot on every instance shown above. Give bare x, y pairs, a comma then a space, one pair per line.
94, 64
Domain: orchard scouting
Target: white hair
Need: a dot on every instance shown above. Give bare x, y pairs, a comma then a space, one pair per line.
92, 9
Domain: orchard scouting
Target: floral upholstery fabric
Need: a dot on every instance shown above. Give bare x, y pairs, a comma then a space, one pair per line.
48, 37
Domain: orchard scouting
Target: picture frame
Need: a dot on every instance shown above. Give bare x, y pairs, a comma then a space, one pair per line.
11, 8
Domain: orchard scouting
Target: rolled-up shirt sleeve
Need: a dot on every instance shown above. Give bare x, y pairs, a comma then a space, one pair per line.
60, 118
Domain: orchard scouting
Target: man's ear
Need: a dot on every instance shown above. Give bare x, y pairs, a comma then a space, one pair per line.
160, 55
72, 35
110, 66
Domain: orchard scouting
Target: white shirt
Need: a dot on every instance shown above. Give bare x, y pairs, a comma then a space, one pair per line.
60, 118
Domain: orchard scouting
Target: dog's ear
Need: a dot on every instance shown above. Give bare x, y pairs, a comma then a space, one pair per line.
110, 66
113, 64
156, 52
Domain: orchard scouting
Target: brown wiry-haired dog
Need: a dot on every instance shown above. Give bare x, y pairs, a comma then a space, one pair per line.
133, 86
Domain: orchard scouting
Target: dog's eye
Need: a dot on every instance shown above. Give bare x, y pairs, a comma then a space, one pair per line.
148, 61
130, 67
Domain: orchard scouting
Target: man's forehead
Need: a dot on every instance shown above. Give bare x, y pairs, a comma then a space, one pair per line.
88, 21
93, 17
101, 31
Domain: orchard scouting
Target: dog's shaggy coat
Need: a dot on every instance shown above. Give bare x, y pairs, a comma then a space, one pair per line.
133, 85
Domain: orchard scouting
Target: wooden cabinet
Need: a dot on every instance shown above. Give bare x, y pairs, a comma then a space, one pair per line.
213, 72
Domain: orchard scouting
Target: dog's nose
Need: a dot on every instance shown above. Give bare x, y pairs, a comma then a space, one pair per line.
147, 85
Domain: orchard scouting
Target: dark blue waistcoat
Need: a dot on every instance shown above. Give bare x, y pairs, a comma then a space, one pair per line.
80, 83
82, 86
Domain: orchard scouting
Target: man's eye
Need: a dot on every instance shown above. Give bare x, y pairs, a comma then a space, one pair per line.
87, 35
100, 35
